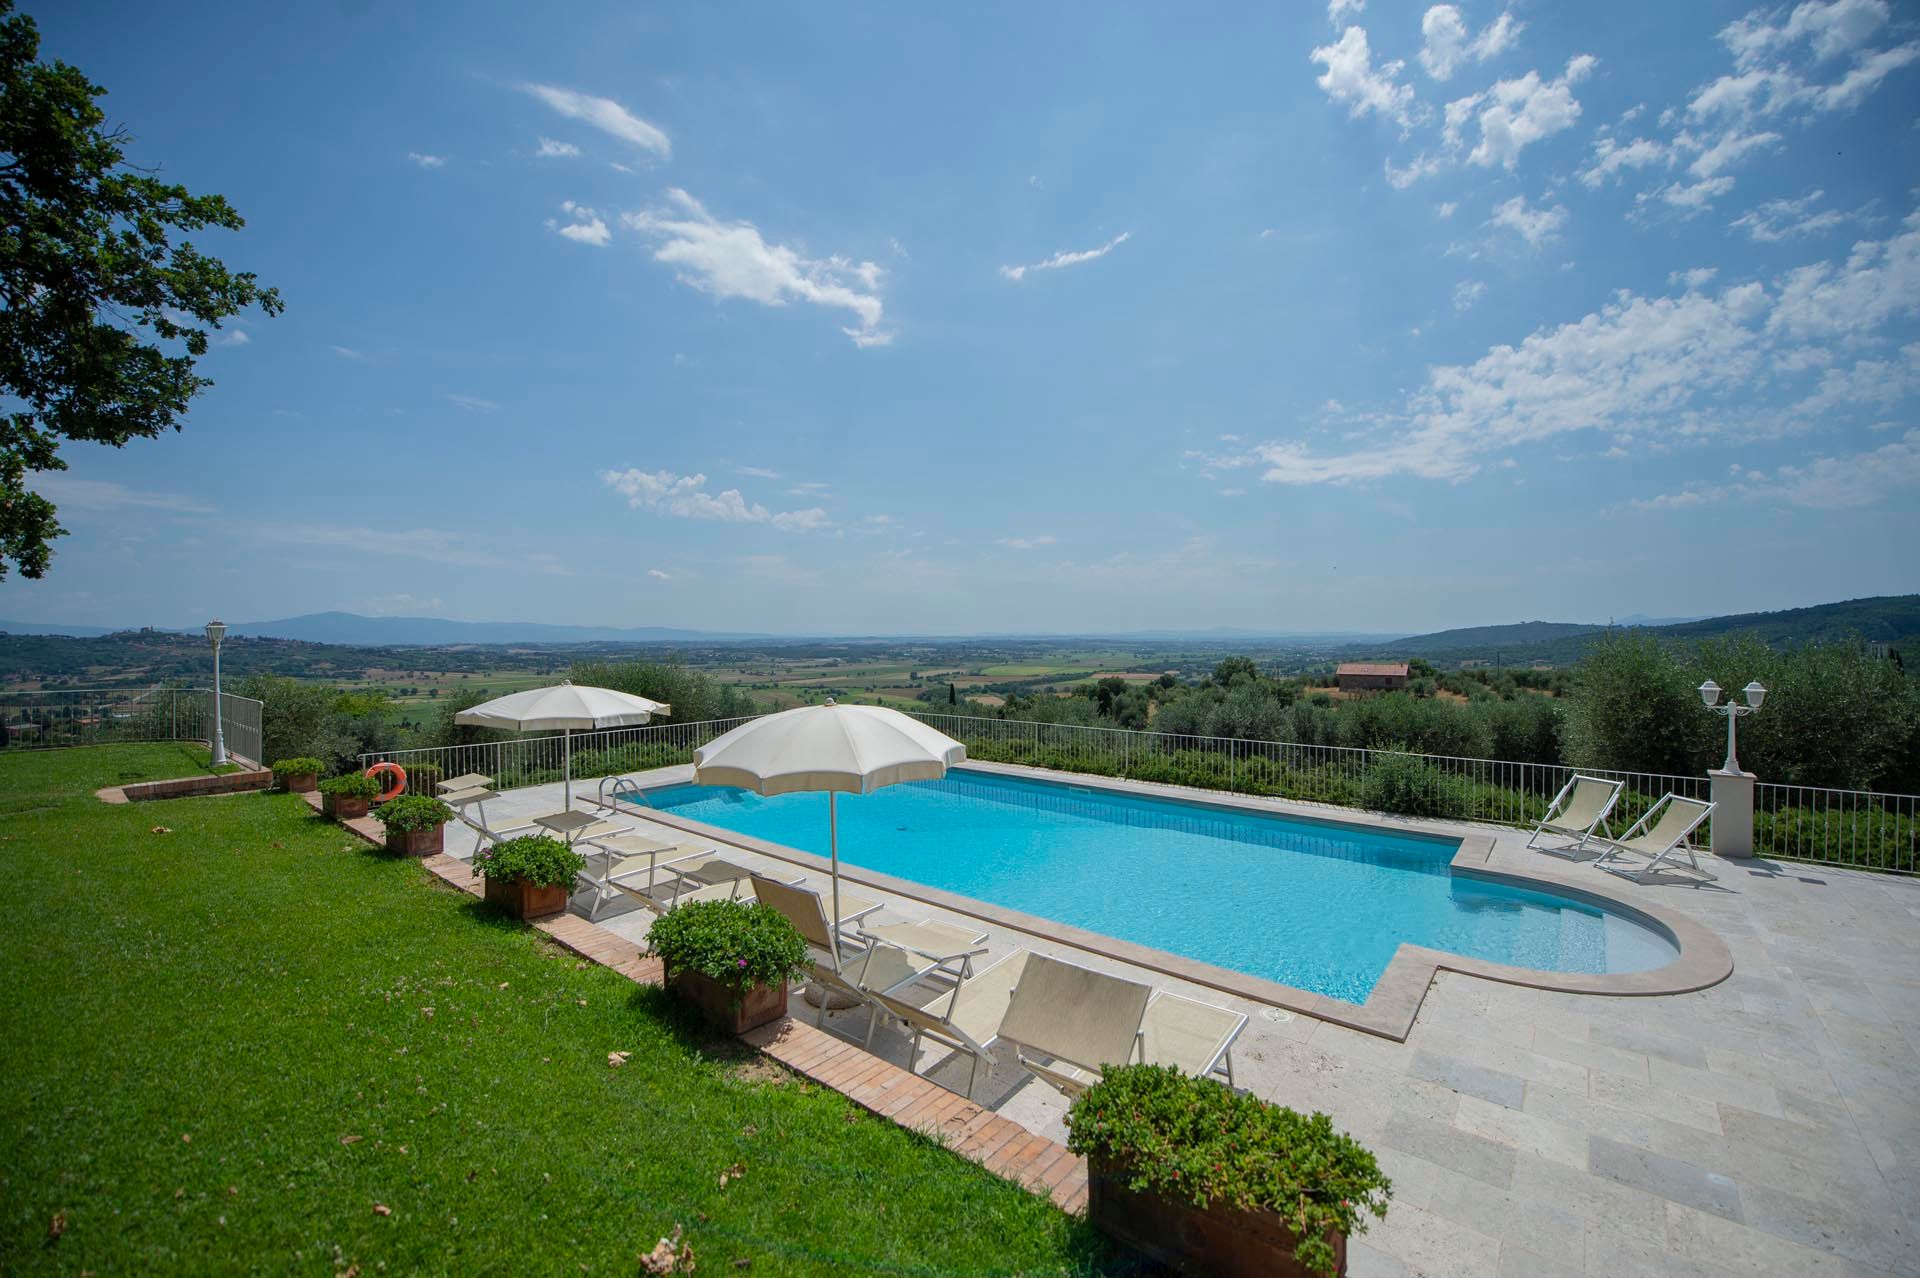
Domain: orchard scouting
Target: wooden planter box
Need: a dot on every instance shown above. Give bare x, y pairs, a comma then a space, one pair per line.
525, 901
428, 842
1194, 1240
759, 1003
345, 807
302, 782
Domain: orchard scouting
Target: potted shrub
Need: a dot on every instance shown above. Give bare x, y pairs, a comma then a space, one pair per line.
1210, 1181
528, 876
731, 959
349, 796
415, 824
297, 776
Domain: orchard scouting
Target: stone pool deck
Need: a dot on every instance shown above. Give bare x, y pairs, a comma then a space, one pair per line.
1765, 1124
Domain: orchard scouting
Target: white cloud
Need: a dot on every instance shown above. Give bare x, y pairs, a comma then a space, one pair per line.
1689, 197
1351, 79
659, 575
1447, 47
1466, 293
427, 161
1823, 483
1651, 373
1694, 280
1833, 29
584, 225
1537, 226
1423, 166
1783, 219
684, 497
1446, 209
1027, 543
99, 494
348, 353
605, 115
552, 150
1339, 9
1610, 158
1514, 114
472, 403
757, 472
232, 337
1061, 259
1732, 147
732, 259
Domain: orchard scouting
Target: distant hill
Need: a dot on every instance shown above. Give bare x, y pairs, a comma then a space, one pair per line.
352, 628
1479, 637
1892, 619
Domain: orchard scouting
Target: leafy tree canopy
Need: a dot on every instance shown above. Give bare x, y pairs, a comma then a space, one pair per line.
92, 282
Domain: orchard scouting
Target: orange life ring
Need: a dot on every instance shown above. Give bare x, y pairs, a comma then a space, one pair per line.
399, 775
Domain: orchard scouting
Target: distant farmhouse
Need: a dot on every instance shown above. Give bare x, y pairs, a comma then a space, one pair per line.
1371, 676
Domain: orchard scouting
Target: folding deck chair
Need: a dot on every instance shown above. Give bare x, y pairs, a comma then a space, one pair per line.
1577, 812
1660, 835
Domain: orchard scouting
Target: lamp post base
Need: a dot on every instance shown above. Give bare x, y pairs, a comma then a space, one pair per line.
1732, 812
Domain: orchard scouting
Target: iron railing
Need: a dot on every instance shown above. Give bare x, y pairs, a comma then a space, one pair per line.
54, 718
1838, 827
522, 761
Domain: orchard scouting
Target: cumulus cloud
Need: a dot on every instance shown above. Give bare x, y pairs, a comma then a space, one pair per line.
1785, 219
1423, 166
1849, 481
1611, 159
583, 225
605, 115
1833, 29
1027, 543
1062, 259
1466, 293
1772, 77
426, 161
1352, 79
732, 259
1337, 10
552, 150
472, 403
1446, 44
1537, 226
685, 497
1515, 114
1652, 372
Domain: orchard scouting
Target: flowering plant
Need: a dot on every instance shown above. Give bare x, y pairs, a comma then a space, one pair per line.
739, 944
540, 860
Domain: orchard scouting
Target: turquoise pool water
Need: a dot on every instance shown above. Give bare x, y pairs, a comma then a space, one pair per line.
1320, 907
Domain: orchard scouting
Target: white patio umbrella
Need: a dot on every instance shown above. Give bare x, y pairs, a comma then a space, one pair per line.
836, 748
567, 708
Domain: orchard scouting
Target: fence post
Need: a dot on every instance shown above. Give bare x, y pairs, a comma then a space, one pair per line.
1732, 812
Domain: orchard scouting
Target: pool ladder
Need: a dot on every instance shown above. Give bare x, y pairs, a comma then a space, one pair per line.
609, 798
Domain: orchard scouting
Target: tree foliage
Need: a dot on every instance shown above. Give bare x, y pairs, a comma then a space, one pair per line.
105, 311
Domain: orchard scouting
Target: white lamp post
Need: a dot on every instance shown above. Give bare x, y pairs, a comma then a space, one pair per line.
216, 631
1710, 697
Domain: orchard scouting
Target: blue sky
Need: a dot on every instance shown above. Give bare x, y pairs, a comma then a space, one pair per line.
873, 318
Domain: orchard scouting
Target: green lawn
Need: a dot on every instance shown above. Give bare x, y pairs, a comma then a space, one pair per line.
230, 1035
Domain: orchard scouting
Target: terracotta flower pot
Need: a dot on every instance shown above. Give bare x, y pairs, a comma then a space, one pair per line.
524, 900
302, 782
758, 1003
345, 807
427, 842
1195, 1240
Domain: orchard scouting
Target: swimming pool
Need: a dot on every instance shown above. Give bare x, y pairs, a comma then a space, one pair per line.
1316, 905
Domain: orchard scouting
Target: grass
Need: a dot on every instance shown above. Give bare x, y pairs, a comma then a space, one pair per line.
232, 1035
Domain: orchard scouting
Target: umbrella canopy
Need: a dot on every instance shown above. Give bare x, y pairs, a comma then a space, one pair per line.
567, 708
836, 748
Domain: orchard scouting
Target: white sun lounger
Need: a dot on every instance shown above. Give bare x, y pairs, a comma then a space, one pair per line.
1578, 811
1082, 1020
841, 962
1661, 835
963, 1014
470, 807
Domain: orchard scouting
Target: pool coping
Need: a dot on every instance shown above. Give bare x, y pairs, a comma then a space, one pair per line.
1704, 959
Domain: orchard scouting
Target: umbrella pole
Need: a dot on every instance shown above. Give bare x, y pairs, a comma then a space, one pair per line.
566, 767
833, 846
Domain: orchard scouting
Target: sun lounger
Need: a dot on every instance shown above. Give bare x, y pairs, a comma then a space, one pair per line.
470, 807
1661, 836
616, 860
1578, 811
1081, 1020
465, 781
963, 1014
840, 961
662, 898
